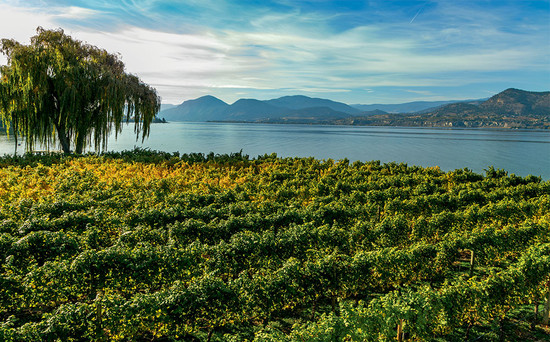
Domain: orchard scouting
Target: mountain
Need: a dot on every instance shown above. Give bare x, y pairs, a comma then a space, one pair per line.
310, 115
303, 102
209, 108
510, 103
408, 107
374, 112
512, 108
321, 113
251, 110
287, 108
519, 102
202, 109
165, 106
457, 109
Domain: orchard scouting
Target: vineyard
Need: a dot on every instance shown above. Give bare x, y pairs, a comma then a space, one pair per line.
152, 246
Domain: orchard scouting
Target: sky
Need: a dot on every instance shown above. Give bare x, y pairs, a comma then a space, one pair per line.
357, 52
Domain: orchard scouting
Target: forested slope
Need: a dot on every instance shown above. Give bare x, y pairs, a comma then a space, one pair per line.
145, 246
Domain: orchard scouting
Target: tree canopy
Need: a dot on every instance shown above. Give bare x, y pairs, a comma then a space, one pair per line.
59, 90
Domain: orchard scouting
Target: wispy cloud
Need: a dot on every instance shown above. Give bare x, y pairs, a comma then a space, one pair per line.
417, 13
189, 48
323, 90
421, 92
73, 12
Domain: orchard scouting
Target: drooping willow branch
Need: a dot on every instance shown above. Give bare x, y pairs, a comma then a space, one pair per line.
60, 91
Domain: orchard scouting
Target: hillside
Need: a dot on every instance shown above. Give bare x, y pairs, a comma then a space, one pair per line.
515, 102
512, 108
209, 108
166, 106
303, 102
317, 115
408, 107
291, 109
251, 110
202, 109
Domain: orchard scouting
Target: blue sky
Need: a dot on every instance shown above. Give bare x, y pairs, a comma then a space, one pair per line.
350, 51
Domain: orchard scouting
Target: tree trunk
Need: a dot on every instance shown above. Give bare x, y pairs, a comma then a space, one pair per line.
80, 138
536, 316
63, 139
15, 137
472, 260
15, 152
79, 145
546, 316
400, 330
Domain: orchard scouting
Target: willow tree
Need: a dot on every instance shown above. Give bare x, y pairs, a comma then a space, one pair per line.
59, 90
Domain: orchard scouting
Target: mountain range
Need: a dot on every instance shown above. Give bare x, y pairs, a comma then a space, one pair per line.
210, 108
512, 108
408, 107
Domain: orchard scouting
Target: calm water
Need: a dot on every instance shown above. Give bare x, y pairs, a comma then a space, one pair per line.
521, 152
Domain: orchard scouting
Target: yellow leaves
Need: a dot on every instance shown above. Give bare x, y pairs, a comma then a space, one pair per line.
278, 233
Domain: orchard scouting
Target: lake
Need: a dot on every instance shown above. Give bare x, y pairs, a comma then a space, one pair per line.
521, 152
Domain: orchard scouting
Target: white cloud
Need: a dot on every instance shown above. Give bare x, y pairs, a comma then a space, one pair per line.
284, 51
323, 90
421, 92
73, 12
20, 24
201, 59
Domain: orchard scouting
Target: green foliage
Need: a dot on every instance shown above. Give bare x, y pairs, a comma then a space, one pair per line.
145, 245
58, 90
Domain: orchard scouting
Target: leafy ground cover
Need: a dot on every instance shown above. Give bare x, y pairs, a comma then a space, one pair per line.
152, 246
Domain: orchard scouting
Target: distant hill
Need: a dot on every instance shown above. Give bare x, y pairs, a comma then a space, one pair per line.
374, 112
204, 108
457, 109
516, 102
209, 108
165, 106
303, 102
512, 108
409, 107
252, 110
320, 113
313, 115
